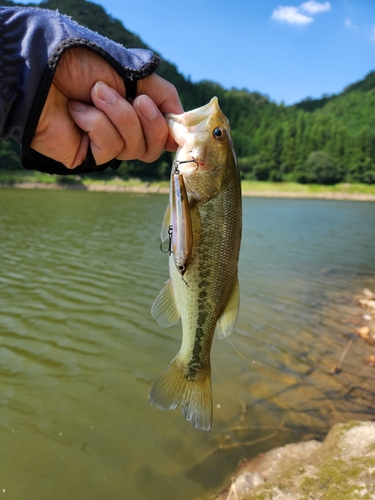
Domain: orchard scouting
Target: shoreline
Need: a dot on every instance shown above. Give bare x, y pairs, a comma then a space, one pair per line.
149, 189
261, 475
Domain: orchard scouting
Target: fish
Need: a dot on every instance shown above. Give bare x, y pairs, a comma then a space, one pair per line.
206, 297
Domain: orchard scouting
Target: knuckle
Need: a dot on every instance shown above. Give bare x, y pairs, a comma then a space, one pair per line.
141, 153
116, 144
151, 155
132, 152
172, 89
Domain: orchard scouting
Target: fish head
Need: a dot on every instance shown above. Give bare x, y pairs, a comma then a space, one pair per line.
205, 155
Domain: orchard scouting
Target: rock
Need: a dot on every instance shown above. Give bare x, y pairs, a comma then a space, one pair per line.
370, 360
335, 370
247, 482
368, 293
367, 303
342, 467
363, 332
367, 317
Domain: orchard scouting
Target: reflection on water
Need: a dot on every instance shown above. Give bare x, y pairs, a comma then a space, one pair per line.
79, 350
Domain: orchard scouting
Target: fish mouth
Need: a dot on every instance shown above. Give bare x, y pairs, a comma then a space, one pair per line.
195, 116
194, 120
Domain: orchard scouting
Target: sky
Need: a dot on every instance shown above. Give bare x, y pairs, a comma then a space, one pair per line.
287, 50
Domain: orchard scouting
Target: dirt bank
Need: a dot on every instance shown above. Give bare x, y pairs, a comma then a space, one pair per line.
149, 189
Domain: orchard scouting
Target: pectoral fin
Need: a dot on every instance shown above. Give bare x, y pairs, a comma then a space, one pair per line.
227, 321
164, 308
164, 234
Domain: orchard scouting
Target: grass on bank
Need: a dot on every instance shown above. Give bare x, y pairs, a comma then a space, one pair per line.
294, 187
9, 178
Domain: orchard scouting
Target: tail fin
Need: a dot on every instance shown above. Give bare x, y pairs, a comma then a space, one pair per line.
173, 388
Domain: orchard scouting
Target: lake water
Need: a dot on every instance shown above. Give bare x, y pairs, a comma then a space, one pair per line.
79, 350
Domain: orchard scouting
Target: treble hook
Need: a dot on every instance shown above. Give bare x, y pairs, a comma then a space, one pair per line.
177, 163
169, 251
170, 233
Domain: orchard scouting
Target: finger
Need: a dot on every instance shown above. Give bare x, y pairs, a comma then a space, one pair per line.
165, 96
79, 69
124, 118
162, 92
154, 127
57, 136
105, 141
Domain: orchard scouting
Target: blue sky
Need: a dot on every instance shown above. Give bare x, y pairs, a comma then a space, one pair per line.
288, 50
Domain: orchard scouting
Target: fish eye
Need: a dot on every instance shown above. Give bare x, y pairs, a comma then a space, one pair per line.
219, 133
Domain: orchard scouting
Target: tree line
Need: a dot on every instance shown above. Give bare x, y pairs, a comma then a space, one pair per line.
326, 141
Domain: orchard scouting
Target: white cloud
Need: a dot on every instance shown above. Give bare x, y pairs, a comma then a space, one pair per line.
297, 15
290, 15
313, 7
372, 37
349, 24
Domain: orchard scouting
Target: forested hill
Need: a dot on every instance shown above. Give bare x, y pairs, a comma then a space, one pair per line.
325, 140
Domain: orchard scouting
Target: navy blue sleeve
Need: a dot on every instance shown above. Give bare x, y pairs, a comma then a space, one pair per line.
32, 41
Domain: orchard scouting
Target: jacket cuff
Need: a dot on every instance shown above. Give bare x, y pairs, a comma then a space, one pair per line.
32, 160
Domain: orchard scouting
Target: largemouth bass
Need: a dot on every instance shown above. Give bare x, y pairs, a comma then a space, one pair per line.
206, 297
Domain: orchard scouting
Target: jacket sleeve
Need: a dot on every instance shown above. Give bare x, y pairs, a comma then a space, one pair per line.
32, 41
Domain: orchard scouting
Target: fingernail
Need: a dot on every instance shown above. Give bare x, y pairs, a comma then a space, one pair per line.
147, 108
104, 93
77, 106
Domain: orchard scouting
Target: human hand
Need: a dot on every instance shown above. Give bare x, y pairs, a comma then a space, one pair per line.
86, 105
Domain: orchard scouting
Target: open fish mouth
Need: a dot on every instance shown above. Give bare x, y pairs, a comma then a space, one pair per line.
194, 117
196, 121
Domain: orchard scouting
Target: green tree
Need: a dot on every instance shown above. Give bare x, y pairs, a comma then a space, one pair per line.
320, 168
322, 140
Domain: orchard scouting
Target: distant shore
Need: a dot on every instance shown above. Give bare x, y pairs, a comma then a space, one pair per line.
146, 188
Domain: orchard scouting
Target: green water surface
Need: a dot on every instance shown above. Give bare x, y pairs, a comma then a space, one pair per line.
79, 350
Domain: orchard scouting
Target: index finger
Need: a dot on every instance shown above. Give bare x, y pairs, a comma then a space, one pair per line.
162, 92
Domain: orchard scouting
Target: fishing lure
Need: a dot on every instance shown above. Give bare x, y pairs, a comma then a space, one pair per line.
182, 234
177, 226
